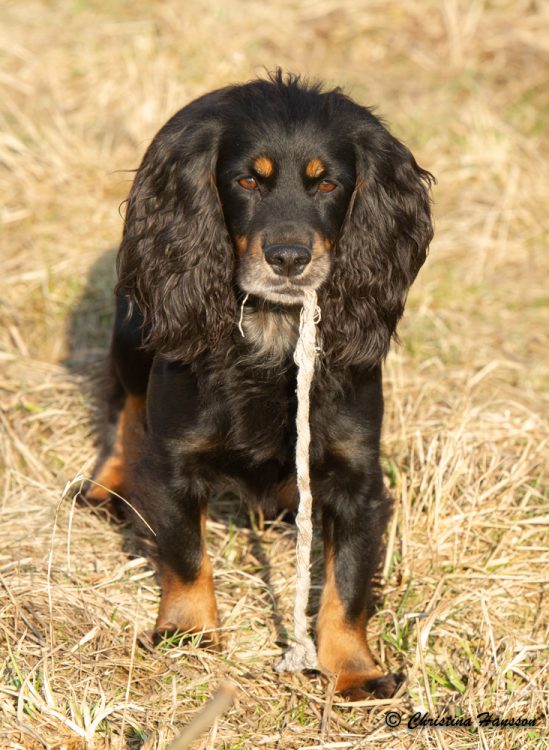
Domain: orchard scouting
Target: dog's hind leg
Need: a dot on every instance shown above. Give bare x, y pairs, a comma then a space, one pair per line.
129, 372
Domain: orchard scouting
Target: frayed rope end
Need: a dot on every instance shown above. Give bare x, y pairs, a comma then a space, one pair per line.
298, 657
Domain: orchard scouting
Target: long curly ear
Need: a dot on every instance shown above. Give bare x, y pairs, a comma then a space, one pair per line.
176, 260
383, 244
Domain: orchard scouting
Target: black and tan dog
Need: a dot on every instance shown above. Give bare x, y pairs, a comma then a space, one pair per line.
264, 189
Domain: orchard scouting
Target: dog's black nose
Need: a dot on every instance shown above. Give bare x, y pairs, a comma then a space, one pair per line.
288, 260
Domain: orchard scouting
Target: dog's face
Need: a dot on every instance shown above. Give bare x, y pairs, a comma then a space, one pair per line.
284, 200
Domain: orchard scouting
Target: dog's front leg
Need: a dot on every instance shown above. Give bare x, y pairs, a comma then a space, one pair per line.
353, 527
173, 490
188, 599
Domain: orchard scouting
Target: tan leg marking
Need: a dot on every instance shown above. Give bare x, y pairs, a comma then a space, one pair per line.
188, 607
343, 648
115, 473
286, 495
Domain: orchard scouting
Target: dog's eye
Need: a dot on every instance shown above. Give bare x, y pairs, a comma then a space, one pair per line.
248, 183
326, 186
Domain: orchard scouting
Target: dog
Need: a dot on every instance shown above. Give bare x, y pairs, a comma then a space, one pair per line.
247, 197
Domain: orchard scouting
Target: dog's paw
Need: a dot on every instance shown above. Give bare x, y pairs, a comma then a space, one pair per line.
355, 686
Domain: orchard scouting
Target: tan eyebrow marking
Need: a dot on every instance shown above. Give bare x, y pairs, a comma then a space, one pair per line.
264, 166
314, 168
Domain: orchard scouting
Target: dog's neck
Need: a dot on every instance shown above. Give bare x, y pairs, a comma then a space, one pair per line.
271, 330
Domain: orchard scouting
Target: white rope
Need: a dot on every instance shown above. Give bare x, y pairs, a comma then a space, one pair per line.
302, 654
241, 319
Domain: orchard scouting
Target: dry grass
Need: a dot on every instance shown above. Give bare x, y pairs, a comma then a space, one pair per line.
84, 87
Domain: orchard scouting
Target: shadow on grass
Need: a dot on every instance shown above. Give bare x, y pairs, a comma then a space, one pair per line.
90, 322
88, 332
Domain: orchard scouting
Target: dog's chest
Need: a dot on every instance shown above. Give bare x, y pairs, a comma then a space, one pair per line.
271, 335
256, 396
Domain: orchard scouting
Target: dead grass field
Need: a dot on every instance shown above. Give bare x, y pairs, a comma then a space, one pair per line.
85, 85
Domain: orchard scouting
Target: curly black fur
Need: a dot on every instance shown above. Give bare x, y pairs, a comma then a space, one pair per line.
381, 249
176, 260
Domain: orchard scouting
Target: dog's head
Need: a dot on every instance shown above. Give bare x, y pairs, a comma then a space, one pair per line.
285, 177
267, 189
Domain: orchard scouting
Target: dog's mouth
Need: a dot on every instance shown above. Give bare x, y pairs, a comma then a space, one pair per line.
255, 279
283, 291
